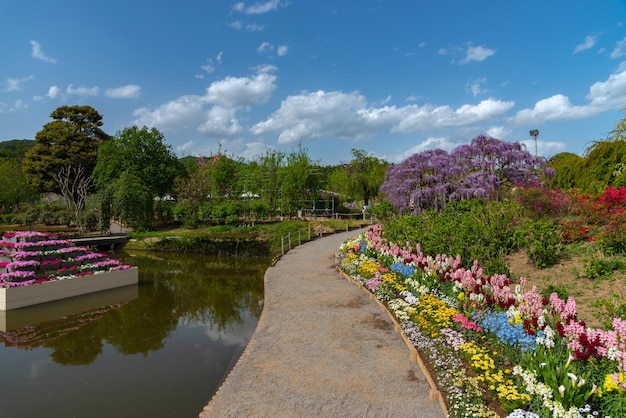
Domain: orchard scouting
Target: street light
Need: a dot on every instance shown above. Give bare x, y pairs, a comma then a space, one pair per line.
535, 133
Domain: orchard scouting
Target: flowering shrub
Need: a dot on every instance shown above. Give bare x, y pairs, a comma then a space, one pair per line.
529, 352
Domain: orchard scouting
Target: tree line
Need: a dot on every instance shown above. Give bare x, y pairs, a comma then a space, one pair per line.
135, 176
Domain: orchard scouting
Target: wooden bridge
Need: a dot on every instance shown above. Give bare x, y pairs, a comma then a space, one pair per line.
102, 243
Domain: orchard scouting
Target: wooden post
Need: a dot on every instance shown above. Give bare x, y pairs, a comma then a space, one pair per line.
282, 245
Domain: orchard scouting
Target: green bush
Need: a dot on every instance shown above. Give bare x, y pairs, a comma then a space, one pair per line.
602, 268
473, 229
88, 221
560, 290
543, 243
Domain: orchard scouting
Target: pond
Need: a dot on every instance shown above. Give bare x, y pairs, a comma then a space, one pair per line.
158, 349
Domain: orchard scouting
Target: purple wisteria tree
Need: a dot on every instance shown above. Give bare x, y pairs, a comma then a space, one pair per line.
484, 168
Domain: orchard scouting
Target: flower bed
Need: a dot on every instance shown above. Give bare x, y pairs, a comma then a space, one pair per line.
496, 348
35, 258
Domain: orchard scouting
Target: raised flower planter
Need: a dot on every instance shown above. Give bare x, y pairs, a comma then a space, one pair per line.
30, 277
21, 296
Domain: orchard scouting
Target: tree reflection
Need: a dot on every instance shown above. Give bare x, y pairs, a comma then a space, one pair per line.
173, 289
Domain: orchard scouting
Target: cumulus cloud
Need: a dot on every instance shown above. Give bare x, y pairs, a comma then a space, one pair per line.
184, 112
421, 118
129, 91
557, 107
430, 143
215, 112
590, 41
220, 121
602, 96
243, 91
37, 52
82, 90
311, 115
53, 92
477, 53
347, 116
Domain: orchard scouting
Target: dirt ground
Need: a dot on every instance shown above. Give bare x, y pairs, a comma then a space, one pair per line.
569, 273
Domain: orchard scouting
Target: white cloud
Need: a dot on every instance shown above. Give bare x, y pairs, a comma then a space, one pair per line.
250, 27
265, 47
129, 91
430, 143
227, 96
282, 50
242, 91
475, 86
609, 94
53, 92
220, 121
590, 41
416, 118
311, 115
557, 107
602, 96
620, 49
17, 105
82, 90
346, 116
477, 53
499, 132
257, 8
16, 84
37, 52
184, 112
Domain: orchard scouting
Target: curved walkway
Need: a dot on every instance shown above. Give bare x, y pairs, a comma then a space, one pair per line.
322, 348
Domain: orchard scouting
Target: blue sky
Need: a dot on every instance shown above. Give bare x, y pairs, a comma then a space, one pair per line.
389, 77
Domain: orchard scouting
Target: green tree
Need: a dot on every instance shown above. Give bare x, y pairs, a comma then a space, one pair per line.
268, 179
73, 137
361, 178
14, 187
15, 148
298, 183
567, 167
136, 159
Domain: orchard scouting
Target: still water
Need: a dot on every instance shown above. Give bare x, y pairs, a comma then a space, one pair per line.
158, 349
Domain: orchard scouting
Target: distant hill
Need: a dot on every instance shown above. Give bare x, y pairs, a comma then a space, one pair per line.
15, 148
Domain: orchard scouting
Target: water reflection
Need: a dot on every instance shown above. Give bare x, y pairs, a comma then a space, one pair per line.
176, 333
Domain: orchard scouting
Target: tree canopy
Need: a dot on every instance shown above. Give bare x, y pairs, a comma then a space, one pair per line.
603, 164
73, 137
360, 178
135, 167
484, 168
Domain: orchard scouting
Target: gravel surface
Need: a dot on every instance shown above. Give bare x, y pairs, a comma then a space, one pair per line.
322, 348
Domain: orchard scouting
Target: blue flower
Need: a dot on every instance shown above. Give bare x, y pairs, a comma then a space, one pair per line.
512, 334
402, 269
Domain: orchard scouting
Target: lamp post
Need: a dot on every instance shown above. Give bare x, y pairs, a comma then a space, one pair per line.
535, 133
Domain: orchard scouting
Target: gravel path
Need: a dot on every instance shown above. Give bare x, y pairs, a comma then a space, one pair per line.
322, 348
